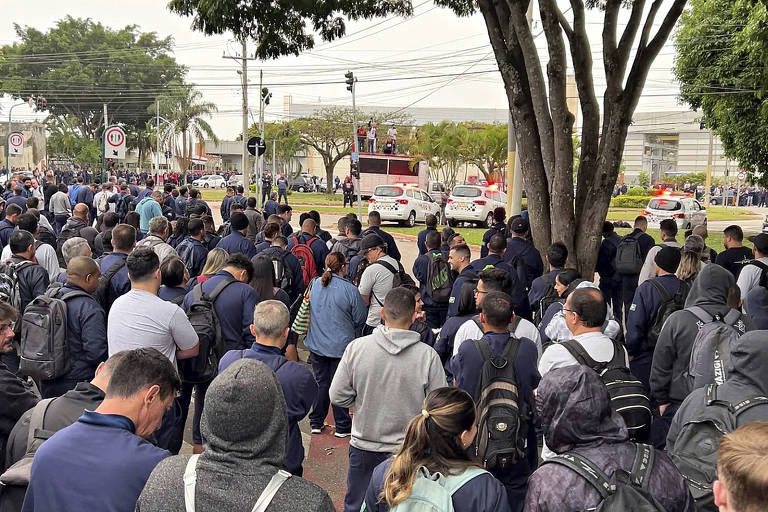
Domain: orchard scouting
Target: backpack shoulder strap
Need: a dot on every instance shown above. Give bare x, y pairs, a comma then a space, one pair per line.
700, 313
577, 351
73, 294
732, 317
268, 494
114, 269
484, 349
455, 482
220, 288
387, 266
659, 288
643, 464
618, 360
190, 481
37, 419
478, 323
748, 404
585, 469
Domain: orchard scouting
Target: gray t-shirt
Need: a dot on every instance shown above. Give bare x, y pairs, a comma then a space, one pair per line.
139, 319
376, 282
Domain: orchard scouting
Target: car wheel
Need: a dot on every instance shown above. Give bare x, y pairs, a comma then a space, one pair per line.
452, 223
205, 185
301, 189
223, 185
489, 221
411, 220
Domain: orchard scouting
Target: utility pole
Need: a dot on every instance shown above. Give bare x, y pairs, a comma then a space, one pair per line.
244, 159
708, 182
104, 144
8, 137
260, 158
514, 172
157, 142
354, 165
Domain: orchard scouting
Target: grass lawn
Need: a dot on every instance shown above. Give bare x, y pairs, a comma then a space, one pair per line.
474, 236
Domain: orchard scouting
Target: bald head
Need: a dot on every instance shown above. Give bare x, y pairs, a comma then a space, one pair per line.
80, 211
83, 272
309, 226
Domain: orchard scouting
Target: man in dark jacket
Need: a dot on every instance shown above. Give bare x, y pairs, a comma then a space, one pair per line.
576, 417
285, 212
669, 386
374, 226
266, 187
629, 281
33, 279
236, 241
317, 246
181, 202
270, 328
495, 259
270, 206
85, 196
226, 202
277, 250
557, 256
499, 228
435, 311
18, 199
77, 225
196, 205
123, 242
191, 250
8, 224
431, 226
62, 412
642, 314
521, 255
610, 281
459, 259
147, 190
747, 379
86, 327
15, 395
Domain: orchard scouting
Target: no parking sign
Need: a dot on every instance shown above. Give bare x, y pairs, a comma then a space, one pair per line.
114, 143
15, 144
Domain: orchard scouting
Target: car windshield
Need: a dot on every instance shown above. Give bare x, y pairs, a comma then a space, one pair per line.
664, 204
466, 192
388, 191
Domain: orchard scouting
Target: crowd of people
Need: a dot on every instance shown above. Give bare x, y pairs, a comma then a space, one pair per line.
496, 381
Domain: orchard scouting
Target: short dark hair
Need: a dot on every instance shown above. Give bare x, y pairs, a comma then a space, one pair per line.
141, 263
497, 309
557, 254
669, 227
195, 226
140, 369
430, 220
123, 237
494, 279
590, 305
640, 220
733, 231
280, 241
132, 219
499, 214
62, 188
32, 202
27, 222
149, 183
463, 250
271, 229
110, 220
183, 190
497, 244
432, 240
374, 218
168, 188
240, 262
283, 208
8, 312
12, 209
193, 193
172, 271
608, 227
20, 241
250, 202
314, 215
399, 304
355, 226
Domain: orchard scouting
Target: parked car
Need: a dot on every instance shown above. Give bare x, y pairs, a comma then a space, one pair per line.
210, 181
473, 204
302, 184
405, 204
686, 211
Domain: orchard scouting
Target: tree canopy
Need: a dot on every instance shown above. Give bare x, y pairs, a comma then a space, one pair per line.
79, 65
721, 58
280, 28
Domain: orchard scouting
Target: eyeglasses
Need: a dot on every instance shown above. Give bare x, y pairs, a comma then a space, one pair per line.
478, 292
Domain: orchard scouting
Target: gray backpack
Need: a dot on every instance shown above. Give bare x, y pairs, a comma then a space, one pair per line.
44, 350
710, 361
18, 473
696, 447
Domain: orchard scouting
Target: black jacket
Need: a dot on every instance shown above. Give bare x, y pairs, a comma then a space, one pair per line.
16, 398
33, 280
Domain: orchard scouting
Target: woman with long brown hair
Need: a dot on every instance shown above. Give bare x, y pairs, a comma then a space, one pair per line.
435, 449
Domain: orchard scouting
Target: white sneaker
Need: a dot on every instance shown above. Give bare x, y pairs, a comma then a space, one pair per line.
342, 434
316, 431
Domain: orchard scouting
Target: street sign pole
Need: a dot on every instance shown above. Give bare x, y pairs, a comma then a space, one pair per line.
354, 145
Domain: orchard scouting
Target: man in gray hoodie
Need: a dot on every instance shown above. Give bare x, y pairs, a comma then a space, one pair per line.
668, 383
385, 376
245, 428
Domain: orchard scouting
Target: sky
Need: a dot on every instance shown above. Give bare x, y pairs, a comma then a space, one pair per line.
406, 60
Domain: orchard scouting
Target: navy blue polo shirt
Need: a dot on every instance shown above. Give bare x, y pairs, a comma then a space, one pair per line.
261, 246
235, 242
499, 227
421, 239
642, 313
299, 390
119, 284
234, 309
421, 272
171, 292
453, 304
534, 267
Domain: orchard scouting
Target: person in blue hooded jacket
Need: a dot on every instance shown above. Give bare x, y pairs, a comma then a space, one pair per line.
149, 208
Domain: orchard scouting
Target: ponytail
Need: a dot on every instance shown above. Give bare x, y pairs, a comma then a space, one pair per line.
334, 262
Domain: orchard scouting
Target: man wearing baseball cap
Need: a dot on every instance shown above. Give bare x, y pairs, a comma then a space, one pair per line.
751, 275
521, 255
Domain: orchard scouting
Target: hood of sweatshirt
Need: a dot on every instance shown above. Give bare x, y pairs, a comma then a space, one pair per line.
750, 359
710, 289
395, 341
74, 223
244, 421
575, 410
145, 200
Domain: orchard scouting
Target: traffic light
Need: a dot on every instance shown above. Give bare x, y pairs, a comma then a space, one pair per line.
354, 170
265, 95
350, 80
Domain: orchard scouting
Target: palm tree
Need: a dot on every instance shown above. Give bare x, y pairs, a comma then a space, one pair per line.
184, 109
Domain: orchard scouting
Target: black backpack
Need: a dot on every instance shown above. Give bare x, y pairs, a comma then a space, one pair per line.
280, 271
439, 279
517, 264
696, 447
102, 293
629, 258
628, 396
503, 414
623, 492
362, 264
548, 297
669, 304
399, 277
202, 315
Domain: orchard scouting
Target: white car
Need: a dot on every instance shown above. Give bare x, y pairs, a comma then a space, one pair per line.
685, 211
473, 203
210, 181
406, 204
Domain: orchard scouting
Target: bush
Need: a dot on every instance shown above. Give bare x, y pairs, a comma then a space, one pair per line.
629, 201
637, 191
